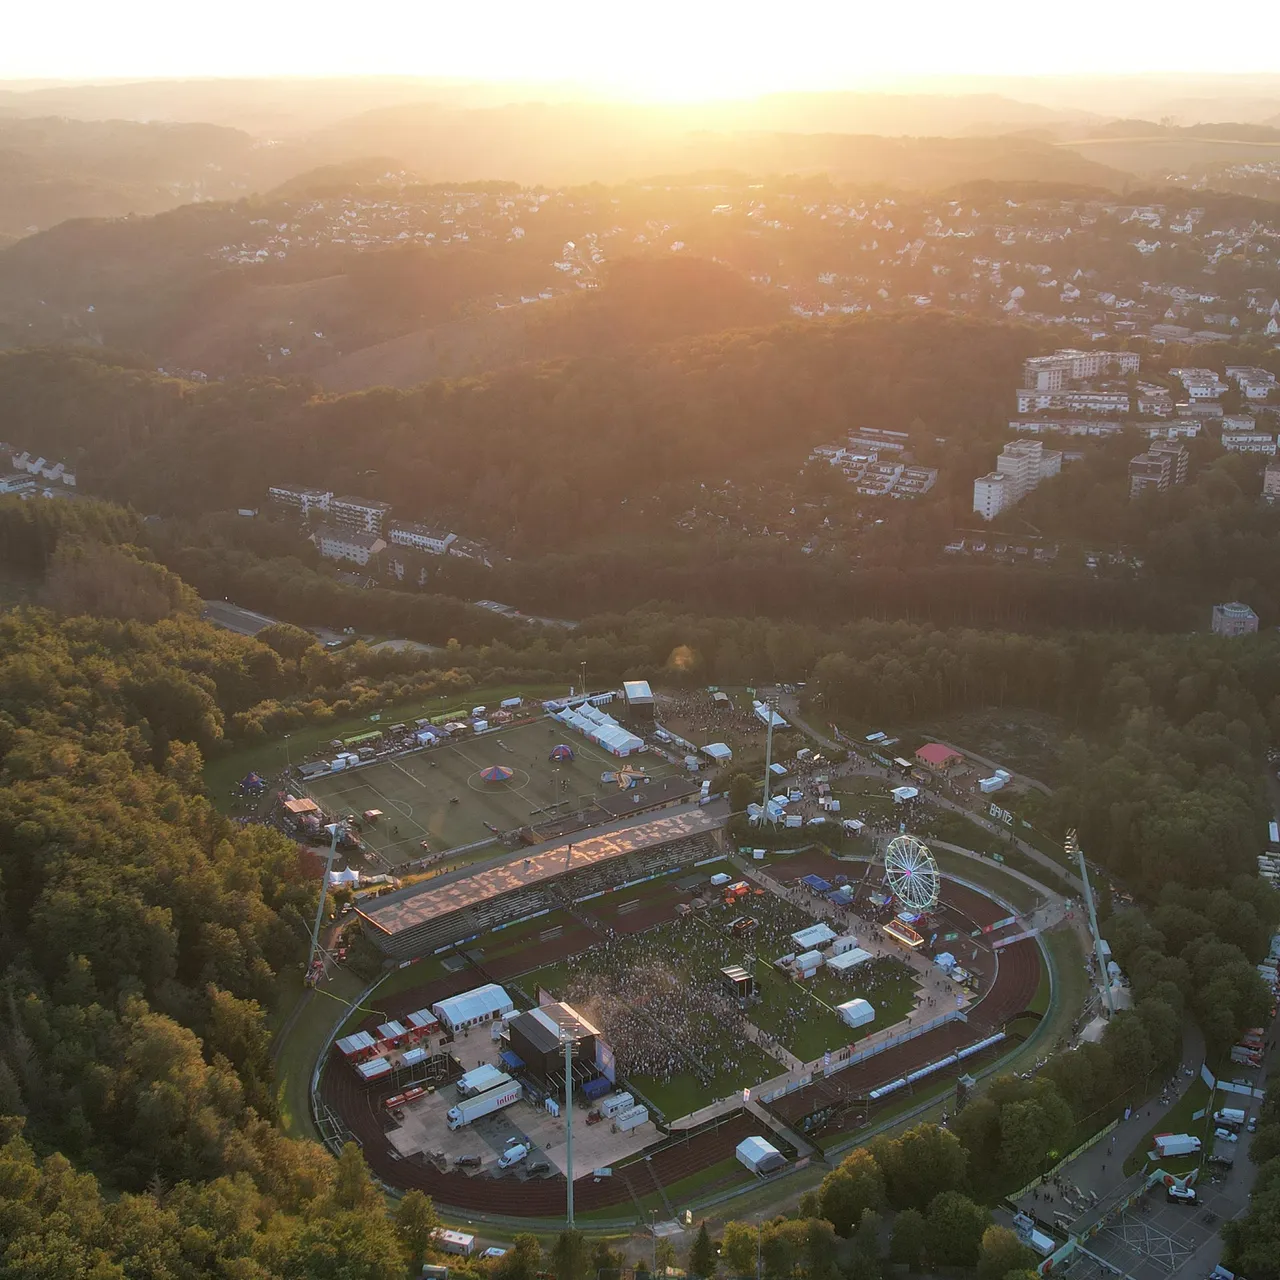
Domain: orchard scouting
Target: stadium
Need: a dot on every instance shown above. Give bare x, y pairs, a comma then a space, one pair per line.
602, 912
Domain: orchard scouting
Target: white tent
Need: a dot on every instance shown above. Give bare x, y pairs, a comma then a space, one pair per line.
856, 1013
902, 794
338, 878
816, 935
759, 1156
718, 751
481, 1004
847, 961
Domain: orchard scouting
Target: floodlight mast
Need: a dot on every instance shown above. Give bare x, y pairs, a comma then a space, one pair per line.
333, 829
1073, 850
569, 1036
769, 703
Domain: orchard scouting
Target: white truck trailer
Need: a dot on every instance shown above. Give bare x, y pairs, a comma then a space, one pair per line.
1176, 1144
481, 1080
483, 1104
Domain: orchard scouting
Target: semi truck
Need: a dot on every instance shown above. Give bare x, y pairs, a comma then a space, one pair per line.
1229, 1118
483, 1104
1176, 1144
481, 1080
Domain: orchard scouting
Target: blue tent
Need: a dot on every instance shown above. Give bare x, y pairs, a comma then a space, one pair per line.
840, 897
816, 883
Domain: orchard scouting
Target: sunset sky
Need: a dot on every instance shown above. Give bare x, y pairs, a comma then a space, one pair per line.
662, 50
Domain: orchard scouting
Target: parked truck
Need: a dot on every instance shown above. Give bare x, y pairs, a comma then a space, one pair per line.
1246, 1056
1229, 1118
1176, 1144
483, 1104
459, 1242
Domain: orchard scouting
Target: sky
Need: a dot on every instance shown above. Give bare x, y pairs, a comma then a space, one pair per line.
660, 50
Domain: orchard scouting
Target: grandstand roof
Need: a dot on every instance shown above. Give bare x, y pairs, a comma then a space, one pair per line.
411, 907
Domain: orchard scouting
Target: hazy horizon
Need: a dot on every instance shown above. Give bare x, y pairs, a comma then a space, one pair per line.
666, 52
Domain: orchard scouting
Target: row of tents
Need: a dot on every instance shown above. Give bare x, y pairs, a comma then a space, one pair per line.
601, 728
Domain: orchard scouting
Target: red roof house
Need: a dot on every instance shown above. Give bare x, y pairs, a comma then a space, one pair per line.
936, 756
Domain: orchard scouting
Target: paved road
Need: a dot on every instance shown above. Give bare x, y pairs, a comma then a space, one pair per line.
222, 613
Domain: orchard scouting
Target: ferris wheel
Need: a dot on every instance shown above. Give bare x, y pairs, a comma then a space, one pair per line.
911, 873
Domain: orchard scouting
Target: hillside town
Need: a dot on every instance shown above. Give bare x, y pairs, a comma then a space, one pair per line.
1172, 273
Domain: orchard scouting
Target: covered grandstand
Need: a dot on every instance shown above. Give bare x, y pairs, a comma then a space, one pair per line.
432, 916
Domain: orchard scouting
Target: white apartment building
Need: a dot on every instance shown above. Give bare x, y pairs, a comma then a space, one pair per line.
1020, 467
361, 514
1053, 373
1200, 384
1256, 384
422, 537
991, 495
1248, 442
303, 499
335, 543
1115, 400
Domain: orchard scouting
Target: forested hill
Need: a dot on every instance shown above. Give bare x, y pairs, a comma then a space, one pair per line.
541, 456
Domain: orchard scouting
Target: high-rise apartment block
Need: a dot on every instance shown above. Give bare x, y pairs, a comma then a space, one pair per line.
1020, 467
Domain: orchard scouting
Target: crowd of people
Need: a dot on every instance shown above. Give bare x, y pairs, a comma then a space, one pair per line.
662, 1002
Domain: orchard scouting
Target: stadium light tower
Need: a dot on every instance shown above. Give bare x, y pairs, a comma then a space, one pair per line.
333, 829
1073, 850
570, 1034
770, 702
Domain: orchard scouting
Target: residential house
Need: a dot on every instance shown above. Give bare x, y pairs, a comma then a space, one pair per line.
1254, 383
1234, 619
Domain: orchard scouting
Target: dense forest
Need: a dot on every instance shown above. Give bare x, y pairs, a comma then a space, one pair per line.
144, 937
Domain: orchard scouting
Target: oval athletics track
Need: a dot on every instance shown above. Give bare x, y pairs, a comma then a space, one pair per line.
1016, 982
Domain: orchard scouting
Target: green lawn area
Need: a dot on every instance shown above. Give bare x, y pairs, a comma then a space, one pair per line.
1040, 1004
685, 1192
1177, 1120
988, 875
313, 1015
222, 772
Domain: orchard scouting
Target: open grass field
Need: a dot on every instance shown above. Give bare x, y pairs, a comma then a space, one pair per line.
438, 795
222, 772
1177, 1120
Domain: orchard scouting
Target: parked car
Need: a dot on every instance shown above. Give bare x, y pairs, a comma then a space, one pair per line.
494, 1252
1252, 1126
538, 1166
1225, 1135
1182, 1195
467, 1162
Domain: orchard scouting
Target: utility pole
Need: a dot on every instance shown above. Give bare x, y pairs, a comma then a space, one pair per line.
1073, 850
568, 1124
333, 829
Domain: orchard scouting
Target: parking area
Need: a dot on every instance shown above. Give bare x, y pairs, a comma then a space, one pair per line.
1153, 1239
424, 1134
